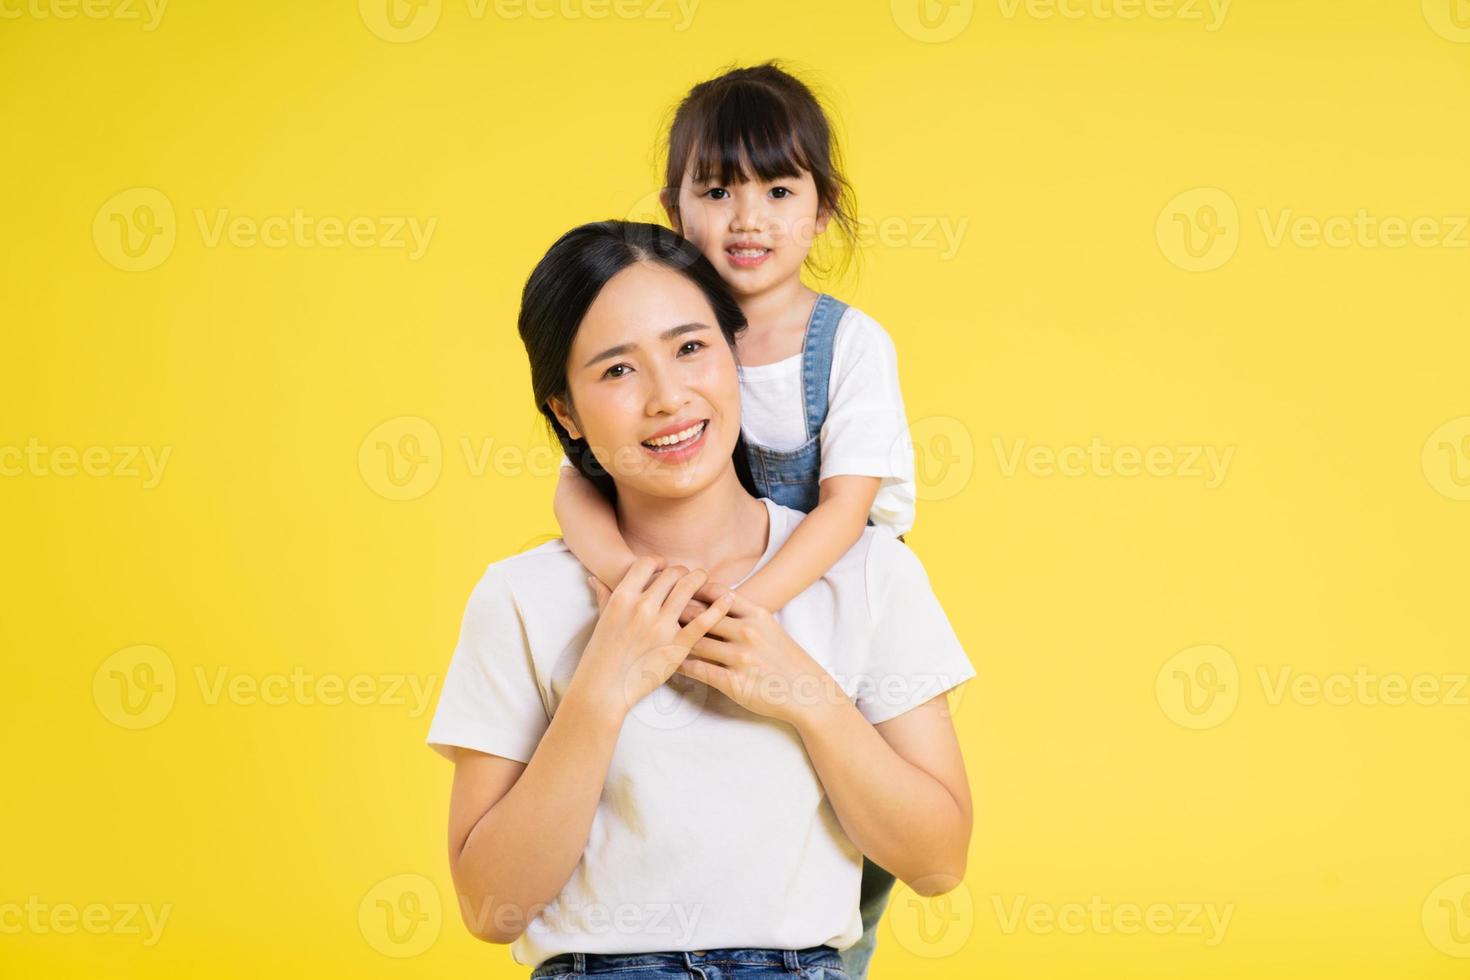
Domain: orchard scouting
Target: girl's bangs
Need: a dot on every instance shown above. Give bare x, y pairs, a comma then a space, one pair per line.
747, 127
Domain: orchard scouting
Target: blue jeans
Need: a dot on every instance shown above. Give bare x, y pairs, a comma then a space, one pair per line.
877, 884
742, 963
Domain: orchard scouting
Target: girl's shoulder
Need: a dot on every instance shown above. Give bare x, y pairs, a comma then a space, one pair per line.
860, 337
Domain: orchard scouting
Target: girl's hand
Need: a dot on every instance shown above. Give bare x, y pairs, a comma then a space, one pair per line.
750, 659
638, 641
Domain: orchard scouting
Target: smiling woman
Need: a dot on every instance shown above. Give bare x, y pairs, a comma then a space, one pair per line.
665, 776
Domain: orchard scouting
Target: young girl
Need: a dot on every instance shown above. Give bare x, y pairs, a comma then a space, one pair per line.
752, 178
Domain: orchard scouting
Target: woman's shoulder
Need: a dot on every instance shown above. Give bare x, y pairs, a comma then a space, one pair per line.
540, 568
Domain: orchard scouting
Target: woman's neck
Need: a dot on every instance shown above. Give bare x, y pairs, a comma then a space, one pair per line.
722, 528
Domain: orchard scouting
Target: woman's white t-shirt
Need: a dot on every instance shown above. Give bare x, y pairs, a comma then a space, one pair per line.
712, 829
866, 432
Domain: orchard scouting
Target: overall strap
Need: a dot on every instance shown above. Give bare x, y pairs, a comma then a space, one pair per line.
816, 359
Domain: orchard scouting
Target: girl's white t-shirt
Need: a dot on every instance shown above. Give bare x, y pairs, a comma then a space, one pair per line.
866, 432
712, 829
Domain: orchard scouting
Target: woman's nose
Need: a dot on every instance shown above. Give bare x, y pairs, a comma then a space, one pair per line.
667, 393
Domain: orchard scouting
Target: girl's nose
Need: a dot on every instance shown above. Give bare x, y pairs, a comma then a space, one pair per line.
748, 214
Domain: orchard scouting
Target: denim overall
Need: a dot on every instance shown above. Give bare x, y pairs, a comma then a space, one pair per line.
790, 478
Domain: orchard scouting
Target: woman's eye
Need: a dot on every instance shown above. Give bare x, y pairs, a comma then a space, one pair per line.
609, 372
696, 344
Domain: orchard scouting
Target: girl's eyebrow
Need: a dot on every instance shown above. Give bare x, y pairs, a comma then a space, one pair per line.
668, 334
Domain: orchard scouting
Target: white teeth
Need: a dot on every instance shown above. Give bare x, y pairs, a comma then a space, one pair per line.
749, 253
677, 437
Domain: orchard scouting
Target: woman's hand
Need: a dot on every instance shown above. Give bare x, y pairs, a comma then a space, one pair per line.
638, 641
750, 659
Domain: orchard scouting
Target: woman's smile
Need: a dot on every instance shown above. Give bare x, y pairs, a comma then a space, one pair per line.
679, 444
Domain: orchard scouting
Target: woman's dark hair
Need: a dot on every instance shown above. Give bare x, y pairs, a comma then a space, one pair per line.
562, 288
770, 118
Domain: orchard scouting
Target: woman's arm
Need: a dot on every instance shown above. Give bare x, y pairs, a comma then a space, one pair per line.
590, 527
898, 788
517, 830
824, 536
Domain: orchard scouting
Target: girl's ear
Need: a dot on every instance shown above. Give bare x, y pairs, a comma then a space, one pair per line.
563, 413
669, 198
824, 215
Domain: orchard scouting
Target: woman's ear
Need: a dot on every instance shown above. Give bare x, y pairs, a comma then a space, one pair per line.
563, 413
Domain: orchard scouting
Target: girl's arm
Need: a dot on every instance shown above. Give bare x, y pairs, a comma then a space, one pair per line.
832, 527
590, 528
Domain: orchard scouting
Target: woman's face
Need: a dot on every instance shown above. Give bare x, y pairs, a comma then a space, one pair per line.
756, 234
649, 363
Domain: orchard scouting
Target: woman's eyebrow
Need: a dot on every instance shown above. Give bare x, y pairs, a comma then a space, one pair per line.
668, 334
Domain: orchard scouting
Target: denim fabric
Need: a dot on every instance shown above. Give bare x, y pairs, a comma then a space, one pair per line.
743, 963
877, 885
790, 477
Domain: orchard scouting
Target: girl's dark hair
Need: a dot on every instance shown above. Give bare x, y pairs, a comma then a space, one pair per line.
562, 288
769, 117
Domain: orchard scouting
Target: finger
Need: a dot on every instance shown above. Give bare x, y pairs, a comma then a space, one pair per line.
658, 590
714, 675
717, 651
683, 589
691, 609
638, 573
600, 592
701, 624
739, 609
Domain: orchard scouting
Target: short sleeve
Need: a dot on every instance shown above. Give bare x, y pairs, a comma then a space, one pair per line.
490, 700
915, 654
866, 432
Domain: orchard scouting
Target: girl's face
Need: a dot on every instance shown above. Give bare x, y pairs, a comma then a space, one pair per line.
649, 362
757, 233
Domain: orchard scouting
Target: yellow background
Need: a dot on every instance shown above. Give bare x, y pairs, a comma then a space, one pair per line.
1068, 149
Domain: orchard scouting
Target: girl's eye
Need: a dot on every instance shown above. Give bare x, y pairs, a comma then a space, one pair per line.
696, 344
717, 193
781, 192
609, 372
